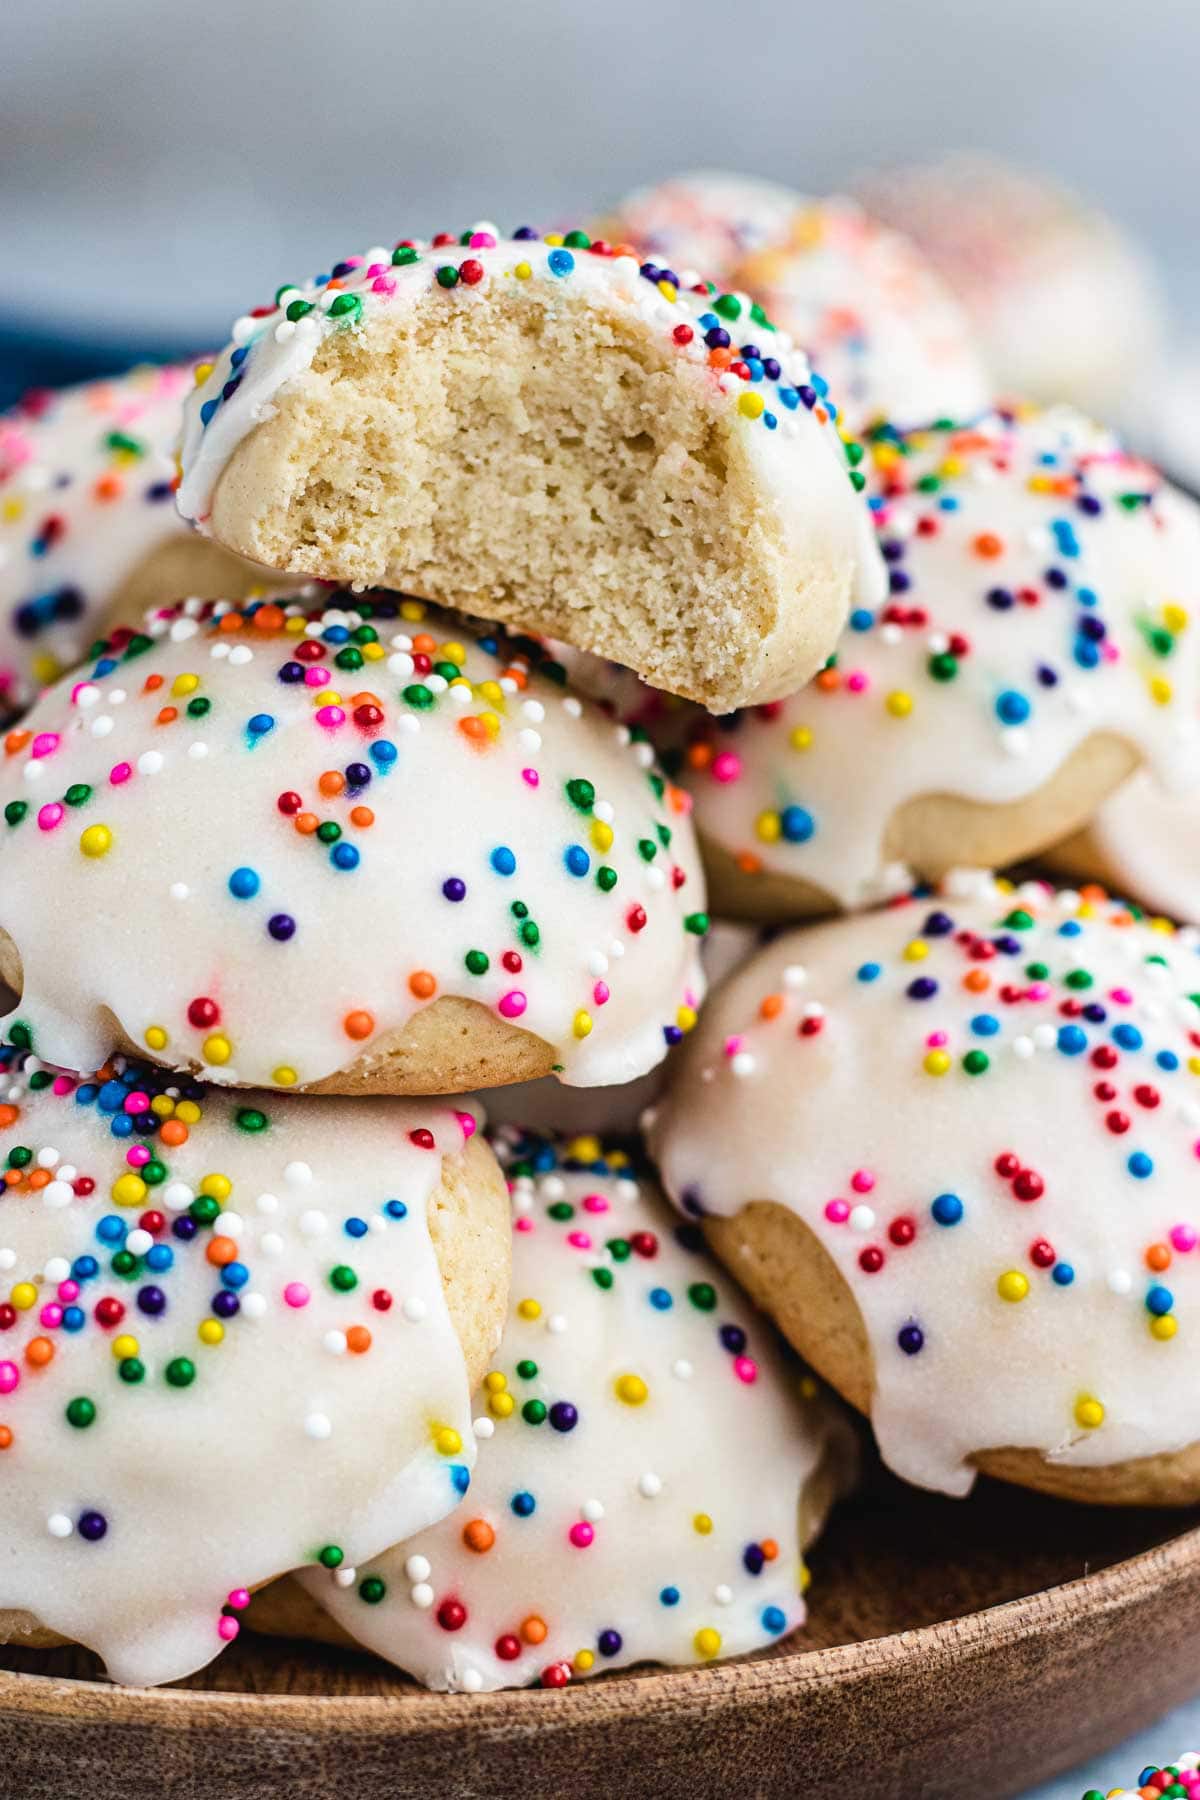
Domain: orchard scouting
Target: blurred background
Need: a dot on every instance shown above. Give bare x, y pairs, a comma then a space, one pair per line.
161, 165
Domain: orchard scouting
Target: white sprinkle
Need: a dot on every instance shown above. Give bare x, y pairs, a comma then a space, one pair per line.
655, 879
179, 890
862, 1218
298, 1174
743, 1063
8, 1259
422, 1595
232, 1224
723, 1594
241, 653
344, 1577
285, 331
138, 1242
117, 697
605, 811
1015, 741
102, 726
418, 1568
197, 751
61, 1193
1120, 1281
318, 1427
34, 770
313, 1223
650, 1485
271, 1243
335, 1342
552, 1187
180, 631
414, 1309
267, 1203
592, 1511
59, 1526
1023, 1048
472, 1681
88, 694
795, 975
178, 1195
682, 1370
150, 762
57, 1268
1045, 1037
254, 1306
534, 711
572, 707
529, 740
556, 1323
483, 1428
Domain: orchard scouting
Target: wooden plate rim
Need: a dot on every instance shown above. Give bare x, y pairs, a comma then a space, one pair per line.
744, 1683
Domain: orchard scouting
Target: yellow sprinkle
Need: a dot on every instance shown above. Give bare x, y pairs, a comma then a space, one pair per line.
581, 1025
46, 668
156, 1038
800, 737
529, 1309
23, 1296
522, 271
372, 652
1012, 1285
899, 704
201, 373
768, 827
210, 1331
185, 684
501, 1406
916, 950
446, 1441
412, 609
454, 652
703, 1524
553, 237
631, 1389
216, 1187
808, 1388
668, 290
618, 1159
12, 511
490, 723
129, 1190
1088, 1412
685, 1017
188, 1112
124, 1346
750, 405
937, 1062
495, 1381
1164, 1327
803, 1576
162, 1106
96, 841
295, 626
327, 697
602, 835
1160, 690
1175, 617
217, 1048
585, 1148
951, 466
707, 1642
284, 1076
583, 1660
492, 691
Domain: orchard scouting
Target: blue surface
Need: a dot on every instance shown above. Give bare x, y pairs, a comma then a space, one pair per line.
1172, 1736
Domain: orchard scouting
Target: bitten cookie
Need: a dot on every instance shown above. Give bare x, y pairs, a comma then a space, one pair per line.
358, 849
650, 1468
871, 313
1036, 648
951, 1147
88, 526
1063, 304
548, 432
225, 1327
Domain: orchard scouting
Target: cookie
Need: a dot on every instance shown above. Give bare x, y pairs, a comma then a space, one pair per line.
1064, 306
356, 849
871, 313
226, 1325
548, 432
951, 1148
88, 526
650, 1467
1036, 648
1142, 844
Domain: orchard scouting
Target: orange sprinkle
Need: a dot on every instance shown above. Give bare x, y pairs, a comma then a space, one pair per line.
331, 783
152, 684
9, 1115
269, 618
1158, 1258
986, 543
533, 1629
771, 1006
474, 728
16, 740
478, 1535
749, 863
39, 1178
422, 985
365, 698
829, 680
231, 621
770, 1549
173, 1132
306, 823
720, 358
699, 755
976, 981
358, 1025
362, 816
6, 1437
109, 487
167, 715
39, 1352
358, 1339
12, 1177
221, 1250
423, 644
1093, 893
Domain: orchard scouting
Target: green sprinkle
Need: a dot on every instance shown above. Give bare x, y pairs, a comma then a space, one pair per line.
418, 695
180, 1371
343, 1278
204, 1209
348, 307
20, 1035
299, 309
153, 1172
728, 306
130, 1369
943, 666
349, 658
15, 811
372, 1589
78, 794
527, 1369
703, 1295
560, 1212
530, 934
975, 1062
477, 962
696, 923
19, 1157
1019, 920
402, 255
534, 1412
603, 1278
199, 707
332, 1556
81, 1412
249, 1118
1079, 978
120, 440
606, 878
647, 850
581, 794
447, 276
619, 1249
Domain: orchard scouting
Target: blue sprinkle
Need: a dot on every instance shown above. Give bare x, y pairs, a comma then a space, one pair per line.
110, 1229
260, 724
789, 397
523, 1504
1072, 928
460, 1478
1012, 708
355, 1228
122, 1126
85, 1094
503, 860
1072, 1040
985, 1025
159, 1257
383, 751
235, 1275
207, 411
1140, 1165
577, 859
85, 1268
1167, 1059
74, 1319
1159, 1301
244, 884
869, 971
774, 1619
395, 1209
344, 856
770, 421
661, 1300
1064, 537
1063, 1274
1128, 1036
669, 1596
796, 824
861, 619
561, 262
111, 1096
238, 356
947, 1209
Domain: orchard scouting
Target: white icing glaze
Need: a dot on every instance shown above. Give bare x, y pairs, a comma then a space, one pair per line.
659, 1457
87, 480
822, 1079
286, 1431
806, 786
872, 315
1148, 844
1064, 305
464, 782
792, 444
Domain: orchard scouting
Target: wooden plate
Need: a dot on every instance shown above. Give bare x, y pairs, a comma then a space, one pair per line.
955, 1648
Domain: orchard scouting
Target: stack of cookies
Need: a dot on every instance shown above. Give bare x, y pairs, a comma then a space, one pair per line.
529, 599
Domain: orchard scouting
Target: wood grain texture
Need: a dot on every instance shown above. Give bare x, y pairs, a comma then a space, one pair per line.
952, 1647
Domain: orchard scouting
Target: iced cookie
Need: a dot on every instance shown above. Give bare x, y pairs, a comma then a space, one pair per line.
873, 316
88, 525
1063, 305
359, 849
552, 433
227, 1330
1144, 844
1035, 649
650, 1467
951, 1147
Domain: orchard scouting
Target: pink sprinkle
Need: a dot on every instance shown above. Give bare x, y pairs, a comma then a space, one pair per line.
530, 777
1183, 1237
600, 993
862, 1181
68, 1291
579, 1240
51, 815
466, 1123
482, 240
316, 678
727, 766
1121, 995
296, 1294
383, 284
512, 1004
936, 1039
581, 1534
10, 1377
331, 717
227, 1628
523, 1224
63, 1084
138, 1156
51, 1315
238, 1598
119, 774
1039, 990
137, 1102
858, 681
837, 1211
746, 1369
375, 269
1110, 651
45, 743
733, 1045
595, 1203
